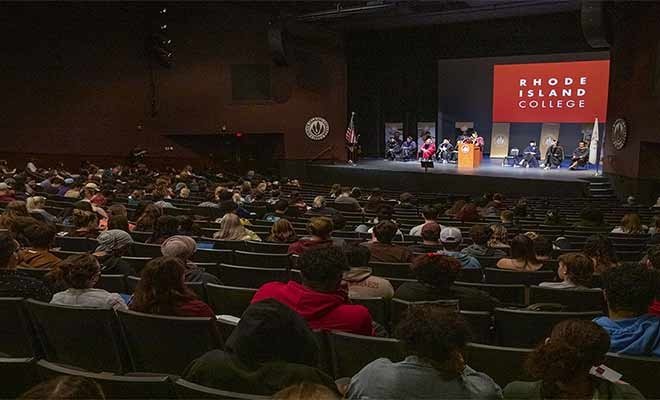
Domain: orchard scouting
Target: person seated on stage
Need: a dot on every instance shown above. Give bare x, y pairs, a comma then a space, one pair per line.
530, 157
554, 155
629, 291
393, 149
430, 239
445, 151
435, 276
427, 150
408, 149
580, 155
381, 247
523, 257
451, 240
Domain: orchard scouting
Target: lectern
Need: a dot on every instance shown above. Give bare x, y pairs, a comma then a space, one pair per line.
469, 155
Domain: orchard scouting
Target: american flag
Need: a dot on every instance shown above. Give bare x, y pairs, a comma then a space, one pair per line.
351, 138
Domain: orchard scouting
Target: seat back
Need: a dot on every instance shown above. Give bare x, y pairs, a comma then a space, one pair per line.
116, 386
481, 325
189, 390
502, 276
86, 338
350, 353
503, 364
261, 260
79, 244
378, 308
574, 300
220, 244
17, 337
229, 300
17, 375
394, 270
112, 283
146, 250
36, 273
266, 247
399, 307
507, 294
641, 372
213, 256
235, 275
470, 275
137, 263
180, 340
524, 328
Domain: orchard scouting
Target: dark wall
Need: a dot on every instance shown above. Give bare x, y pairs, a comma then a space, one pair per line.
393, 75
76, 82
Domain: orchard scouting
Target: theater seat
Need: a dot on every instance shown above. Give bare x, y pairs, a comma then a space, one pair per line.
17, 375
641, 372
189, 390
398, 308
502, 276
350, 352
266, 247
213, 256
574, 300
86, 338
17, 337
503, 364
507, 294
229, 300
116, 386
394, 270
378, 307
524, 328
481, 325
112, 283
261, 260
234, 275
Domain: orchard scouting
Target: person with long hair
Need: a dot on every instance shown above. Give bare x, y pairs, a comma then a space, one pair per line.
601, 251
85, 224
65, 387
81, 273
166, 226
499, 239
576, 271
35, 206
16, 218
162, 291
562, 366
282, 232
147, 220
231, 228
523, 256
631, 224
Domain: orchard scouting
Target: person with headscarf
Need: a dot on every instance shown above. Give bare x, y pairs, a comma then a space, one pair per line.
183, 248
270, 349
113, 244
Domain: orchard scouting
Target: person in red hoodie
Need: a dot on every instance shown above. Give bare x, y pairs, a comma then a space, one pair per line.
321, 299
320, 229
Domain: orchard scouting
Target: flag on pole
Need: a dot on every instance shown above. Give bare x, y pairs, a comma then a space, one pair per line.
351, 138
593, 145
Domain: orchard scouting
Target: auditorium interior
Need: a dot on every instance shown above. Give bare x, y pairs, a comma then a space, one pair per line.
325, 200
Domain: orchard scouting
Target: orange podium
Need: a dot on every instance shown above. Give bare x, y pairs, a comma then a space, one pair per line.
469, 155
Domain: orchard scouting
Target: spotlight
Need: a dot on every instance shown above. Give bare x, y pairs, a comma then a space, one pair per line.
163, 11
163, 27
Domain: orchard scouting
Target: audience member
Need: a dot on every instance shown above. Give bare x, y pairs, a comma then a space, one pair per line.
347, 202
231, 228
430, 214
430, 239
480, 235
381, 247
320, 207
6, 194
407, 201
500, 238
270, 349
40, 237
162, 291
562, 364
576, 271
85, 224
631, 224
280, 207
434, 368
184, 247
147, 220
320, 299
65, 388
113, 244
435, 275
13, 284
542, 247
305, 391
451, 239
319, 229
601, 251
166, 226
81, 273
629, 290
16, 218
35, 206
468, 213
282, 232
523, 256
361, 282
590, 218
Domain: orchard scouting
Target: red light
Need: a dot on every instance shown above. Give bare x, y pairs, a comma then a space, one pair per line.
239, 134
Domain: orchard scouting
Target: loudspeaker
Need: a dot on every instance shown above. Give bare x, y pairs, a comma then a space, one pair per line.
594, 25
277, 45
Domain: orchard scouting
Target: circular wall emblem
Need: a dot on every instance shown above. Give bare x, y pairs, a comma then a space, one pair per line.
465, 149
619, 133
317, 128
499, 140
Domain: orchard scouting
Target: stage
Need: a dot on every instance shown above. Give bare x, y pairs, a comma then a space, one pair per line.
491, 176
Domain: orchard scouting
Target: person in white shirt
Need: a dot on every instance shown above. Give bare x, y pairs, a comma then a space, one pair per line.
81, 273
575, 271
430, 214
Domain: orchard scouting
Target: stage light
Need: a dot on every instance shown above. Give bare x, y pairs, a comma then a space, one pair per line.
163, 27
163, 11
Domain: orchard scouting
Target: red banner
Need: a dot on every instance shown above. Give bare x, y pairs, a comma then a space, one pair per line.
551, 92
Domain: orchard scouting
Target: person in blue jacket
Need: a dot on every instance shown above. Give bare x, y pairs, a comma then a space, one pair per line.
629, 290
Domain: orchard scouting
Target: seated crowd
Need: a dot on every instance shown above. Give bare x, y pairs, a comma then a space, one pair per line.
347, 236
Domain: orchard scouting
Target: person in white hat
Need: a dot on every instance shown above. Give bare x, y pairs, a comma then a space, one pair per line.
89, 190
451, 239
5, 193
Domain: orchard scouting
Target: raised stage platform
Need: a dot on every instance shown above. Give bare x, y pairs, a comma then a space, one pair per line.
491, 176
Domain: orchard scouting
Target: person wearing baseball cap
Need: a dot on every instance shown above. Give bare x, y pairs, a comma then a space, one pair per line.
451, 240
68, 182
